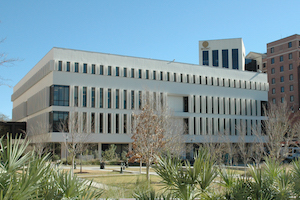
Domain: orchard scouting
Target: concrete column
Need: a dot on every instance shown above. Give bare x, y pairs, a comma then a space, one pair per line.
63, 151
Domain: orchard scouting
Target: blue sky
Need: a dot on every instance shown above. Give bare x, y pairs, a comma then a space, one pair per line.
164, 30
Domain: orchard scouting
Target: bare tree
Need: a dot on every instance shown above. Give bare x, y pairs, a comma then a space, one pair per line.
4, 118
155, 130
76, 133
39, 137
281, 127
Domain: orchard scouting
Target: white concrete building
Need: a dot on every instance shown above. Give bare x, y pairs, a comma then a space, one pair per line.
224, 53
106, 89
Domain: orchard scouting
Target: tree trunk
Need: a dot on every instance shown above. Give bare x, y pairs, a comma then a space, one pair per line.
141, 166
148, 170
81, 163
72, 167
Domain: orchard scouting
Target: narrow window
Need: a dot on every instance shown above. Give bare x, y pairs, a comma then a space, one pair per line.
93, 122
84, 97
109, 98
101, 98
93, 68
147, 74
194, 79
68, 66
175, 77
291, 77
215, 54
117, 123
125, 72
93, 97
185, 104
76, 96
225, 58
84, 68
132, 99
125, 123
154, 75
108, 123
101, 123
84, 122
59, 65
109, 70
181, 78
161, 76
101, 70
132, 73
76, 67
117, 98
168, 76
140, 99
140, 73
186, 124
235, 59
117, 71
205, 58
125, 98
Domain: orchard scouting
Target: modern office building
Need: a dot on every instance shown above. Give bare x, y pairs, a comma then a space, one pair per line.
283, 63
106, 89
224, 53
256, 62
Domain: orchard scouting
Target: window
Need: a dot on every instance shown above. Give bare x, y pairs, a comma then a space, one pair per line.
76, 96
93, 122
181, 78
272, 49
117, 98
93, 68
282, 89
84, 120
290, 66
273, 71
274, 100
174, 77
68, 66
161, 76
117, 71
101, 123
140, 100
140, 73
235, 59
205, 58
76, 67
188, 78
132, 73
109, 98
281, 68
117, 123
154, 75
132, 99
84, 97
168, 76
281, 79
291, 87
215, 54
290, 56
289, 44
186, 125
84, 68
272, 60
59, 95
291, 77
147, 74
59, 65
125, 123
109, 70
185, 104
101, 98
93, 97
57, 118
282, 99
273, 80
125, 72
108, 123
225, 58
125, 98
273, 91
281, 58
291, 98
101, 70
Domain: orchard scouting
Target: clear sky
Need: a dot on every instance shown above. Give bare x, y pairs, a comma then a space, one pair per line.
158, 29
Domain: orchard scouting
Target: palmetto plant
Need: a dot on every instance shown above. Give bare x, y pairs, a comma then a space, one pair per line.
25, 176
187, 182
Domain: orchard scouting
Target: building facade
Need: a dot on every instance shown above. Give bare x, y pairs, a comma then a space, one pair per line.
283, 64
224, 53
106, 90
256, 62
